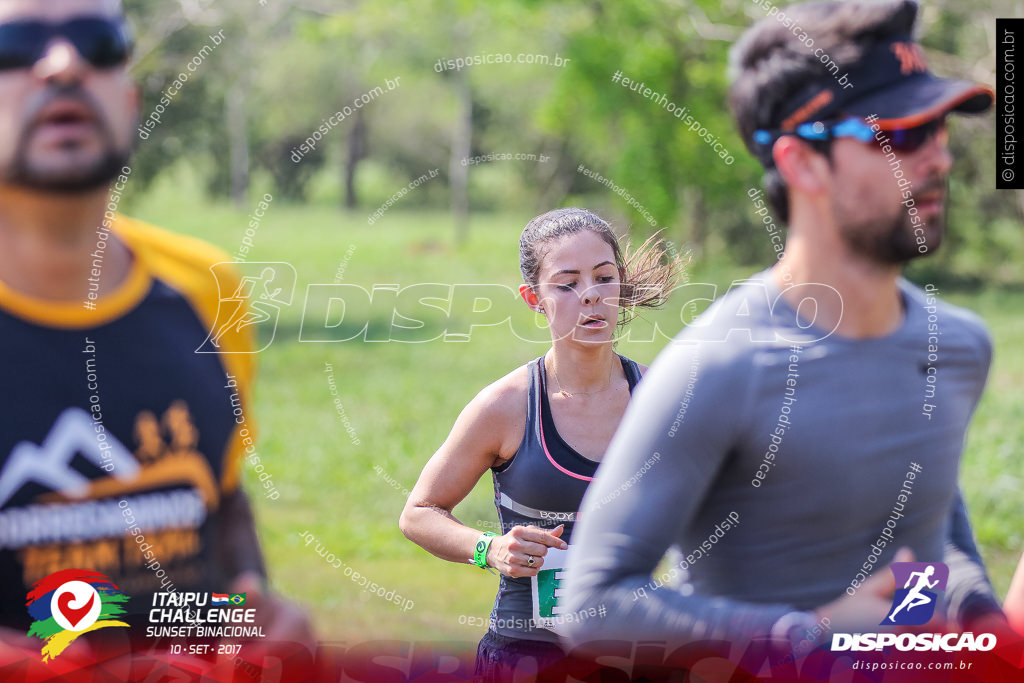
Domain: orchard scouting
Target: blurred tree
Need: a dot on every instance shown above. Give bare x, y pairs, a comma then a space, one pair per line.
287, 66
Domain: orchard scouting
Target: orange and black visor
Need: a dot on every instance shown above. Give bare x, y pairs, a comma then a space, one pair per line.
890, 83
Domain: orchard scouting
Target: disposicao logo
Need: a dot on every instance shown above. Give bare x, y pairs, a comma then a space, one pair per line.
913, 605
68, 603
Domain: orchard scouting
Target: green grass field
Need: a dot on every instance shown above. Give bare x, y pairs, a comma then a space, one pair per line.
400, 399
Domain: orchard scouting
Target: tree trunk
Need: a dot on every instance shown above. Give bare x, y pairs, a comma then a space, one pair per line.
238, 141
356, 152
557, 180
696, 217
458, 171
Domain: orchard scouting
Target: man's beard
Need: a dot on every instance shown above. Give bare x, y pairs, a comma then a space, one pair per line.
70, 179
81, 179
891, 240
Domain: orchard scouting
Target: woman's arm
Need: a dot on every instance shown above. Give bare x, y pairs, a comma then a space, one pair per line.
1014, 603
487, 432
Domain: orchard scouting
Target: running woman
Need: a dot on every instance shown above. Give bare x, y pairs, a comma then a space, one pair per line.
542, 429
810, 423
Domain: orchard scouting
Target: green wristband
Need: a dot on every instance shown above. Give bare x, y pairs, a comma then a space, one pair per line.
482, 546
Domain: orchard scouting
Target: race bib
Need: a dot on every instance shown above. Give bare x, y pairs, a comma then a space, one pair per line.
547, 592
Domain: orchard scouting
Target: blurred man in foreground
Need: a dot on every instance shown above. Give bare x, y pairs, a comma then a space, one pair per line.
120, 447
810, 423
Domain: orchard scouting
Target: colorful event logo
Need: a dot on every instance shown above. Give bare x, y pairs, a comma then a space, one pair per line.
914, 603
71, 602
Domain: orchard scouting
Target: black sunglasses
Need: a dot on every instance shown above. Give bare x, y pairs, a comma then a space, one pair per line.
104, 43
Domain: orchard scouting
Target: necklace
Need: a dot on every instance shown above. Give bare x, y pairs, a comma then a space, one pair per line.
566, 394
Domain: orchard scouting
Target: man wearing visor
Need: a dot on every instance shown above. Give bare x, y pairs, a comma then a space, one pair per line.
811, 452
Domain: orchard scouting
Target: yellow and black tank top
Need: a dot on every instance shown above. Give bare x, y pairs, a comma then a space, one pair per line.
118, 441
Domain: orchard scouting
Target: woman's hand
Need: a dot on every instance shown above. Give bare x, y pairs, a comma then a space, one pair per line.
511, 554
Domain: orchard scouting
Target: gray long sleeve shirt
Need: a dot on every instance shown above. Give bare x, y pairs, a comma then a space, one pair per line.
829, 453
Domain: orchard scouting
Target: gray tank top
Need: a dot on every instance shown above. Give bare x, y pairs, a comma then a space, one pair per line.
543, 485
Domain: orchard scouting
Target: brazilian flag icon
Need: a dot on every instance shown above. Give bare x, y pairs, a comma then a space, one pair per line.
237, 599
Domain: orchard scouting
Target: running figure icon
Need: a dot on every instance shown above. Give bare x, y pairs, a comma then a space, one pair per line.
915, 597
254, 296
259, 302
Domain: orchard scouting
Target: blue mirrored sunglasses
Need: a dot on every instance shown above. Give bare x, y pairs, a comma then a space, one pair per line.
901, 139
